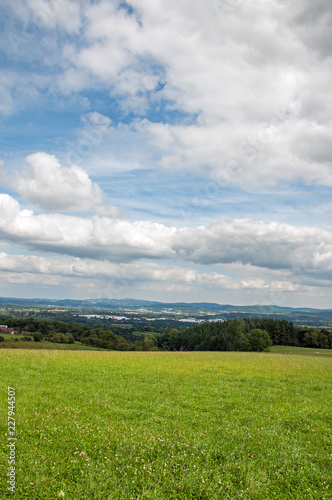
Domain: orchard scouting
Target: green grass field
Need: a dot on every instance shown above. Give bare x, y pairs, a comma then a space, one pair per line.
11, 344
10, 336
308, 351
162, 425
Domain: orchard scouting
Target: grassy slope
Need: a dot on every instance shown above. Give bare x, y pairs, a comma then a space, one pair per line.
111, 425
10, 336
284, 349
10, 344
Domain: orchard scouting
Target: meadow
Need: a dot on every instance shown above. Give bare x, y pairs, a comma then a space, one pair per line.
10, 343
168, 425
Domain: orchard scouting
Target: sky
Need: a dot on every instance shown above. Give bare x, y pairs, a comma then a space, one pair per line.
169, 150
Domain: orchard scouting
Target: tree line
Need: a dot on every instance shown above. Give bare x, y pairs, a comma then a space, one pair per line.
245, 334
241, 334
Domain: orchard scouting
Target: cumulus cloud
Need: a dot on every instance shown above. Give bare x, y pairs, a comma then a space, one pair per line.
124, 276
244, 241
116, 280
274, 245
96, 236
252, 77
118, 276
312, 22
246, 73
45, 182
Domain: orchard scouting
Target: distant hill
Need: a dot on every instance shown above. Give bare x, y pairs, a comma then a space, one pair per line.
303, 314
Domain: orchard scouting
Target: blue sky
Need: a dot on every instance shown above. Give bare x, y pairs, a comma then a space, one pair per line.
166, 150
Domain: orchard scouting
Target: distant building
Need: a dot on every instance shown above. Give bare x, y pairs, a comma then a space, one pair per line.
6, 329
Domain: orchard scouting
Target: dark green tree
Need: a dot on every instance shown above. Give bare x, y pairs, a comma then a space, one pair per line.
235, 334
259, 340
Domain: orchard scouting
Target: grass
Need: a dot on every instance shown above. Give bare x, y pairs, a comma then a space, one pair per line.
10, 336
309, 351
11, 344
161, 425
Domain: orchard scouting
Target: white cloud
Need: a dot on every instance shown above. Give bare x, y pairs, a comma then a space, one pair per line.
108, 211
274, 245
312, 22
121, 275
116, 280
271, 246
9, 209
97, 236
253, 76
47, 14
236, 69
46, 183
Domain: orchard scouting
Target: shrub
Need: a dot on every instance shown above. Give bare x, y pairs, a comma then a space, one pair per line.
60, 338
37, 337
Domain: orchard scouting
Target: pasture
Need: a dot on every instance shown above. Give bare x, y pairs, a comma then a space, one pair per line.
10, 336
11, 343
168, 425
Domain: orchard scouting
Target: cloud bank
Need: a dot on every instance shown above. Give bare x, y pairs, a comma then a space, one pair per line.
271, 246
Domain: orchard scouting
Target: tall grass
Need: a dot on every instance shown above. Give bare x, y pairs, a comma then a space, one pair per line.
154, 425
